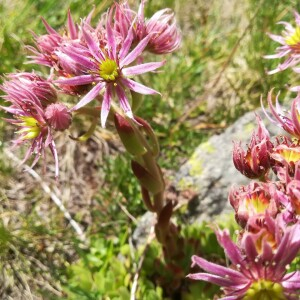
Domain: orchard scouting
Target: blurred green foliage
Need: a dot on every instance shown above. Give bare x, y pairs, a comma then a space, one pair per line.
107, 269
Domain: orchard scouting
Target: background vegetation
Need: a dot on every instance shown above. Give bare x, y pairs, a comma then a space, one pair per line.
216, 76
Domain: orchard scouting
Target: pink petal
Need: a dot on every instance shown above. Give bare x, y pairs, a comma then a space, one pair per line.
138, 87
91, 95
143, 68
211, 278
291, 280
231, 249
78, 80
93, 47
48, 27
124, 101
136, 52
54, 153
89, 17
71, 26
82, 59
110, 36
217, 269
106, 105
127, 43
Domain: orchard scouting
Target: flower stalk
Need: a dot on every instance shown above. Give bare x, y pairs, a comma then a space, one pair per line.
140, 141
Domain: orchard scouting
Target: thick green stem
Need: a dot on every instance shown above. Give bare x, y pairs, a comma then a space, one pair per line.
149, 174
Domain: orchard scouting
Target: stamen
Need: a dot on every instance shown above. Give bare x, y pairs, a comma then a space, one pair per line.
108, 70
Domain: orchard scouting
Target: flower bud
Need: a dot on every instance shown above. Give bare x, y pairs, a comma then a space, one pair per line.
29, 86
58, 116
128, 137
254, 163
165, 35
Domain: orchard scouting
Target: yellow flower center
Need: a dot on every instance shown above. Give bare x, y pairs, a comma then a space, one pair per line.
290, 155
265, 290
108, 70
258, 202
31, 128
294, 39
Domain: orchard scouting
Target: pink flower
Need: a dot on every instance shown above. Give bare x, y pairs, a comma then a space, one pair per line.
165, 35
23, 86
28, 95
47, 44
256, 271
253, 200
107, 69
254, 163
33, 128
290, 46
123, 18
287, 121
286, 155
289, 198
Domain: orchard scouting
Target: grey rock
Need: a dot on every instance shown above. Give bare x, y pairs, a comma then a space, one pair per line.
210, 171
143, 229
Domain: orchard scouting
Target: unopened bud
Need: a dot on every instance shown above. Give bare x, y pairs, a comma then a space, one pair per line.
128, 137
58, 116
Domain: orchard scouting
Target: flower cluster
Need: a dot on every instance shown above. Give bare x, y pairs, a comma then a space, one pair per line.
90, 62
266, 209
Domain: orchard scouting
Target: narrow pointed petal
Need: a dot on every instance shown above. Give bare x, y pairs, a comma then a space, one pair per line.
94, 48
143, 68
231, 249
250, 246
71, 26
54, 153
78, 80
136, 52
89, 17
211, 278
77, 57
110, 36
106, 105
216, 269
292, 280
123, 101
48, 27
138, 87
91, 95
127, 43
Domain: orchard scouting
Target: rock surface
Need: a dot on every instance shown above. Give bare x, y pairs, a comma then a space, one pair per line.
210, 171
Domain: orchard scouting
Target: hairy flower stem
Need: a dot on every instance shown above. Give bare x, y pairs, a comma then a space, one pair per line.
150, 177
